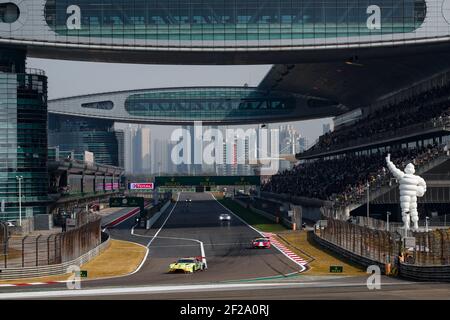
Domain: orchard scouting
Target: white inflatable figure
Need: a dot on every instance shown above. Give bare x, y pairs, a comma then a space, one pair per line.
411, 187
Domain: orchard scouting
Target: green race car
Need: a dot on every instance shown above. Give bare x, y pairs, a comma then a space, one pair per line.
187, 265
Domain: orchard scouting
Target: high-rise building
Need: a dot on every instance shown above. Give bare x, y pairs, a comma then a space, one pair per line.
146, 150
236, 160
289, 140
130, 136
209, 168
23, 136
79, 134
142, 151
171, 167
120, 135
303, 144
160, 156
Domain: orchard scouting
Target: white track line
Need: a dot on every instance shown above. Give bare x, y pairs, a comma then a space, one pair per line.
162, 226
180, 289
142, 262
303, 268
202, 249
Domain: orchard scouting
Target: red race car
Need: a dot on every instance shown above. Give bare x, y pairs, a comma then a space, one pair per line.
261, 243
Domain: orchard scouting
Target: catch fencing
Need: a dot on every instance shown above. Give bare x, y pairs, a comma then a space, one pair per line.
376, 245
40, 250
431, 248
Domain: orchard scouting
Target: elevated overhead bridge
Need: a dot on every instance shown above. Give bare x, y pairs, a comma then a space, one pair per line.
209, 32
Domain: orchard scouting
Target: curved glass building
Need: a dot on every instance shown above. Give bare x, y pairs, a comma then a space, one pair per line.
211, 105
228, 21
218, 31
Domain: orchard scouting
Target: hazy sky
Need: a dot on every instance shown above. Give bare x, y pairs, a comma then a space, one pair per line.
69, 78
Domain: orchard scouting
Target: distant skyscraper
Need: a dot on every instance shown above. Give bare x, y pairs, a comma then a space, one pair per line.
303, 144
130, 136
171, 167
289, 140
235, 161
146, 147
186, 168
142, 151
209, 168
120, 134
161, 156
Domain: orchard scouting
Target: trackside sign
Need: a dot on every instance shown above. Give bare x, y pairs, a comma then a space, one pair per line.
142, 186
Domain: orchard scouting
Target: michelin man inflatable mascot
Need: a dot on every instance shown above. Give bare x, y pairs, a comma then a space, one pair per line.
411, 187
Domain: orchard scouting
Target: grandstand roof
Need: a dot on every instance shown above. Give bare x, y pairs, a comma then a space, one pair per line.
358, 83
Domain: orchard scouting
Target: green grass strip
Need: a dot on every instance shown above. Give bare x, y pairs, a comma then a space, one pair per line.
255, 220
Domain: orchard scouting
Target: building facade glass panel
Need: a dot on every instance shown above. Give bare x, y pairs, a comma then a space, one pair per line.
209, 104
79, 134
23, 144
238, 20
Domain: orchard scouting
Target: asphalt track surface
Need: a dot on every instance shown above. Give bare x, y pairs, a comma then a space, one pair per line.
231, 261
179, 231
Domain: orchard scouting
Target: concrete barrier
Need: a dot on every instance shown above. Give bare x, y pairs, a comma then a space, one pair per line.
56, 269
156, 216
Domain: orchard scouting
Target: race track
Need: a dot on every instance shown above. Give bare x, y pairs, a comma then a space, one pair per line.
235, 271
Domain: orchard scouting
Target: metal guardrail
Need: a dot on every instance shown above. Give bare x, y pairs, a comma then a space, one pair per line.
56, 269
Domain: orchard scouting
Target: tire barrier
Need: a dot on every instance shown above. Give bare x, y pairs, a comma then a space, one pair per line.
425, 273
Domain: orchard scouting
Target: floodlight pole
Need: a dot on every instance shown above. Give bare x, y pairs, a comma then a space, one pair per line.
20, 199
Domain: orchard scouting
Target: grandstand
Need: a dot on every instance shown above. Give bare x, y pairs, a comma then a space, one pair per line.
347, 166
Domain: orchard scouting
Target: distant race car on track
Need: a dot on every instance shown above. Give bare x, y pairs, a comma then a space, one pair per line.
261, 243
187, 265
224, 217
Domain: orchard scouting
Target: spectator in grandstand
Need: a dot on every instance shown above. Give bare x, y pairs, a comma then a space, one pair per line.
345, 178
432, 106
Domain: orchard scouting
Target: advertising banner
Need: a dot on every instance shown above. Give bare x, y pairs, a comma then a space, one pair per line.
142, 186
